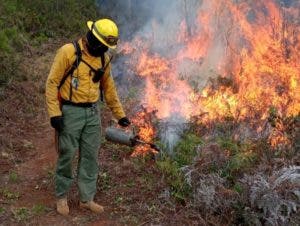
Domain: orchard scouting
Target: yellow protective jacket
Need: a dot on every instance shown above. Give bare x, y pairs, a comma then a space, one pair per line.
87, 91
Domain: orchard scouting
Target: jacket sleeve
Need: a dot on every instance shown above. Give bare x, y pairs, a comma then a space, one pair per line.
56, 74
111, 96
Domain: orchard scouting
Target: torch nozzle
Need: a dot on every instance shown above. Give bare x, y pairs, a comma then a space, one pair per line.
153, 146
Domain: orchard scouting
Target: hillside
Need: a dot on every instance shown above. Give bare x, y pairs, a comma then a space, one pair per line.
214, 84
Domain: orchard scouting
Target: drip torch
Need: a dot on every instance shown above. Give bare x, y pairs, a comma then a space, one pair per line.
120, 136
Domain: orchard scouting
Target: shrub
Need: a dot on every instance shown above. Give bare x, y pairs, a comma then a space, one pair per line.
174, 167
174, 178
32, 22
276, 197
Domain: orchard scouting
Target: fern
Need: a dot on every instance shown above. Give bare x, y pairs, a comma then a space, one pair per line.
277, 196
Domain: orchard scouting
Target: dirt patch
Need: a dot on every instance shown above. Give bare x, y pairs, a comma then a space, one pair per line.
128, 188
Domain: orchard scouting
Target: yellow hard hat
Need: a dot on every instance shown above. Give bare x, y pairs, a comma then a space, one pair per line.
106, 31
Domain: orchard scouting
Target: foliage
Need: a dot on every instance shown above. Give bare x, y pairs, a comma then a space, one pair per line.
2, 210
10, 195
38, 209
26, 23
104, 181
21, 214
174, 178
173, 167
276, 197
13, 177
240, 157
185, 150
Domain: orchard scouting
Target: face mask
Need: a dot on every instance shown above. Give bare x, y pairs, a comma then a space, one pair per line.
94, 46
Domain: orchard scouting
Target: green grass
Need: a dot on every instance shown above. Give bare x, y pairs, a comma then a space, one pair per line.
2, 210
180, 190
38, 209
32, 22
10, 195
241, 157
104, 181
13, 177
185, 150
21, 214
184, 153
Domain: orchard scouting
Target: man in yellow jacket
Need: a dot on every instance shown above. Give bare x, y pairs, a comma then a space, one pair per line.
72, 93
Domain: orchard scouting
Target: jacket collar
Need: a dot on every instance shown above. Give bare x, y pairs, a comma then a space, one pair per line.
83, 42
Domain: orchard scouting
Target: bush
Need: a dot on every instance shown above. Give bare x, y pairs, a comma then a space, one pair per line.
240, 158
185, 150
32, 22
275, 198
174, 167
180, 189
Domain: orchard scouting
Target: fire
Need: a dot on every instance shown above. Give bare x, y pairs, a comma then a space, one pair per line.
257, 49
154, 65
146, 132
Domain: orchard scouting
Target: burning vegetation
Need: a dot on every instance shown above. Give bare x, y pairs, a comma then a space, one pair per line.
235, 60
220, 94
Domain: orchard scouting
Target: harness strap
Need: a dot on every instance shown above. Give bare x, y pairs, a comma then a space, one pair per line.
75, 66
104, 66
77, 62
101, 84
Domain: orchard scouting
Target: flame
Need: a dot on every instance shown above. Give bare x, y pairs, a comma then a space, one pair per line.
146, 132
260, 56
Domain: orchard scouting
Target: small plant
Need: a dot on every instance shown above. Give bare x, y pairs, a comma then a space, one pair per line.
175, 178
240, 157
173, 167
118, 200
10, 195
185, 150
130, 183
276, 197
21, 214
237, 163
13, 177
2, 210
38, 209
229, 144
104, 181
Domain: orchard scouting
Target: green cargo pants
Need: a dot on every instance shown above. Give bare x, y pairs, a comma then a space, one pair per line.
81, 132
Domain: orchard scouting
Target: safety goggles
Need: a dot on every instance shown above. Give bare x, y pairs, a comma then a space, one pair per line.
110, 40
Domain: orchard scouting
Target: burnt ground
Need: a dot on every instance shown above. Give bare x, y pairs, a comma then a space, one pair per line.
132, 190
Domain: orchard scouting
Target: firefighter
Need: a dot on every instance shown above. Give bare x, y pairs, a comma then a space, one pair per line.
72, 92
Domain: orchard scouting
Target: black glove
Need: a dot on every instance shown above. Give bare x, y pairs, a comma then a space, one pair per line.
124, 122
57, 123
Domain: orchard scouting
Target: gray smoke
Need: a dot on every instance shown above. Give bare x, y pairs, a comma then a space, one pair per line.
157, 23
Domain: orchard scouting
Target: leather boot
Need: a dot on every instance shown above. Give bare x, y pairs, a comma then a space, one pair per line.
91, 205
62, 206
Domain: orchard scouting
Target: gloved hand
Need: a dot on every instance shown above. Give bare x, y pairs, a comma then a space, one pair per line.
124, 122
57, 123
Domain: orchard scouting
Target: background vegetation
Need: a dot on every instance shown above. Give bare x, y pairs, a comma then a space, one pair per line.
29, 23
217, 179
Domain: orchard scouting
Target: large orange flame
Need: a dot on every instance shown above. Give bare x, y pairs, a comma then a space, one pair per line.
260, 58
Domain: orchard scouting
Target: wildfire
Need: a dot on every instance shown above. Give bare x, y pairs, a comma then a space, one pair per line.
146, 132
257, 49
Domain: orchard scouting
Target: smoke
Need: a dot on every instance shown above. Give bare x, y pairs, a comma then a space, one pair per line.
171, 129
166, 27
198, 38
